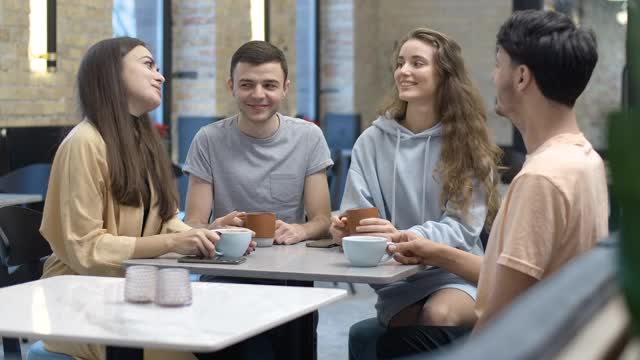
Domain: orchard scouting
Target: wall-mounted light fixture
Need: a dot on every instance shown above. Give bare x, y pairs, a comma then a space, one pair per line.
622, 15
258, 10
42, 35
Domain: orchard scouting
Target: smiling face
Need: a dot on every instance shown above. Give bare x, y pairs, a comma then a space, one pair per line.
258, 90
415, 76
142, 81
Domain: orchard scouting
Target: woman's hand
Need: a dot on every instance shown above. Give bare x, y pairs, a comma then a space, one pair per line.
377, 227
338, 228
252, 246
411, 249
199, 242
234, 218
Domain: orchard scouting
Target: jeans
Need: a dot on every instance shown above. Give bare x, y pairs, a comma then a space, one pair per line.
363, 337
369, 340
408, 340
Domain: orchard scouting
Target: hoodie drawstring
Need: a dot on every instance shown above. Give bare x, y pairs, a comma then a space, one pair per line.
393, 183
424, 179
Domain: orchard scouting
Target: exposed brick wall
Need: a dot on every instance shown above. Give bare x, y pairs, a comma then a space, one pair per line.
194, 58
282, 33
472, 23
603, 94
35, 99
193, 78
205, 35
355, 54
234, 17
371, 61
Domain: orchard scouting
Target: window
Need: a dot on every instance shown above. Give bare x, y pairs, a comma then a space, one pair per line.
306, 58
143, 19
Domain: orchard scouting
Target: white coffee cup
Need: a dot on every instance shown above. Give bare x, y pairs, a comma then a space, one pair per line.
366, 251
233, 242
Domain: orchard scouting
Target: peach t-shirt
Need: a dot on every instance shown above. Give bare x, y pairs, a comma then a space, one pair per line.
556, 208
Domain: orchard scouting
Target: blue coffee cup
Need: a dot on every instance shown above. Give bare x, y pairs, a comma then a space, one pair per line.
365, 251
233, 242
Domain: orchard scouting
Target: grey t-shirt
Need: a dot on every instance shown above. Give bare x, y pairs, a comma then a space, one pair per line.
250, 174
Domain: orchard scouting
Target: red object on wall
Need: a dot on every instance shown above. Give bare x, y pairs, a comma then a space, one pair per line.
161, 129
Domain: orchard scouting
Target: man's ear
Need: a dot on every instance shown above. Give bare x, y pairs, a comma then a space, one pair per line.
285, 86
230, 85
525, 77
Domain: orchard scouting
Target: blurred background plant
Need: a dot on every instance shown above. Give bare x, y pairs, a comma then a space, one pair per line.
624, 137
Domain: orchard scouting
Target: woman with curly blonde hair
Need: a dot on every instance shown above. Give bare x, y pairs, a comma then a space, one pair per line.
428, 164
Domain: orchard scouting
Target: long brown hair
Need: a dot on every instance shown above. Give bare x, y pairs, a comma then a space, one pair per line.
467, 151
134, 148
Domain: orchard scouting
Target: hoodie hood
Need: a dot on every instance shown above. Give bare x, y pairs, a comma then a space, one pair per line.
427, 143
392, 127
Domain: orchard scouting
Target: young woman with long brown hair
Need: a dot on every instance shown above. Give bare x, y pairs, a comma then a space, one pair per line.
428, 164
111, 194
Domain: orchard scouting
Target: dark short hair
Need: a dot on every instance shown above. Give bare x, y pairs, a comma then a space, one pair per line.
560, 55
258, 52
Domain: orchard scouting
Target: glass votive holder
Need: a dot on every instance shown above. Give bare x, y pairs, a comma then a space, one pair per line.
173, 287
140, 283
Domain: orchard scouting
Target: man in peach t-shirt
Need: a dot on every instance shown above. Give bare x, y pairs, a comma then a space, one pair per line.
556, 208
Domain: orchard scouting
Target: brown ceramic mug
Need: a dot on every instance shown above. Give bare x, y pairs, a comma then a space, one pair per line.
355, 215
264, 225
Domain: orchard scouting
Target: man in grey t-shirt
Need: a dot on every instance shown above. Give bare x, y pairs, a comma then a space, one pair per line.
260, 160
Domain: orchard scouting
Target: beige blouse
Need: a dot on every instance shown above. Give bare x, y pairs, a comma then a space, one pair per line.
89, 231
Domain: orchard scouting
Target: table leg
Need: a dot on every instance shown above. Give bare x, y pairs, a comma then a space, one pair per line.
122, 353
11, 348
302, 331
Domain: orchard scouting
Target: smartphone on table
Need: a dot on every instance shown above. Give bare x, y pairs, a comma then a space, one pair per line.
324, 243
224, 260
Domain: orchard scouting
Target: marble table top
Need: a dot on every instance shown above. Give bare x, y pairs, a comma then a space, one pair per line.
294, 262
92, 310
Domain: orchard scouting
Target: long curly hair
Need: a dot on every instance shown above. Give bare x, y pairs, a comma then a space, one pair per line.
468, 153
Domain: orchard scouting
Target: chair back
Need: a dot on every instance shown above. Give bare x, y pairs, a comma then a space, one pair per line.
22, 250
341, 130
32, 145
31, 179
484, 239
513, 161
20, 240
188, 126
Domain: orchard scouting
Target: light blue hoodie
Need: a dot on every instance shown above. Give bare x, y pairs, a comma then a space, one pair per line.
393, 169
